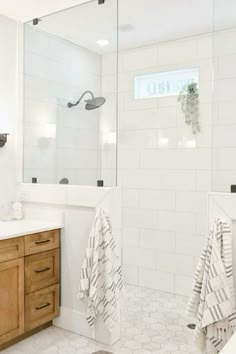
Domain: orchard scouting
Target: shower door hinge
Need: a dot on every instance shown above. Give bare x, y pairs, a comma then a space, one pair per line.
36, 21
100, 2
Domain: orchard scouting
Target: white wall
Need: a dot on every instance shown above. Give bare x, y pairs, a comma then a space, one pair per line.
8, 59
59, 142
78, 205
164, 170
164, 186
224, 127
30, 9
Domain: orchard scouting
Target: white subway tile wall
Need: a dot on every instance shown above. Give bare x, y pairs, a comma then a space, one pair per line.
59, 142
224, 112
8, 65
164, 170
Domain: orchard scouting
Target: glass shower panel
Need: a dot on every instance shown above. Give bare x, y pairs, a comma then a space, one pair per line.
224, 97
70, 96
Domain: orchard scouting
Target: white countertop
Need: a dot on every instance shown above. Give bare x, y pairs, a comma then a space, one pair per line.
16, 228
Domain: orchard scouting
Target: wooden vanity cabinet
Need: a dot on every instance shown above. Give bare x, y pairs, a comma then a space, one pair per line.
29, 284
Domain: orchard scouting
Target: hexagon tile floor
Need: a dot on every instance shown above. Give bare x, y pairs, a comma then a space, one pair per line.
152, 323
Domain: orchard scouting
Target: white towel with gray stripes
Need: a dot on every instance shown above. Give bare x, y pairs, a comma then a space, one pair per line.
212, 300
101, 279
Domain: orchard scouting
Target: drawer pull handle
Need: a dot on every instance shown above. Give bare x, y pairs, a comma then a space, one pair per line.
42, 306
42, 241
42, 270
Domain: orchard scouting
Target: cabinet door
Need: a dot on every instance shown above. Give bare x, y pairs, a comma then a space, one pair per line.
11, 299
11, 249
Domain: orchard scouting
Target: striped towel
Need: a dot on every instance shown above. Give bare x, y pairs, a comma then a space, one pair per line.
101, 279
212, 300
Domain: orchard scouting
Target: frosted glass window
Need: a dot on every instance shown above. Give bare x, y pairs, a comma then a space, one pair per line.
163, 84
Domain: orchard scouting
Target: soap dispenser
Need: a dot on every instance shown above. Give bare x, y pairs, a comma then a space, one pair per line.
17, 210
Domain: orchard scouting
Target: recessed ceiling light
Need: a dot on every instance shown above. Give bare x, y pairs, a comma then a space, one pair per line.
102, 42
126, 28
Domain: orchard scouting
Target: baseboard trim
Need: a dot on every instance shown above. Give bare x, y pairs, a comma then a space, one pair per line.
25, 335
75, 321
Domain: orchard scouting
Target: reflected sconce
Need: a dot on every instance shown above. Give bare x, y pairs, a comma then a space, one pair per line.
3, 139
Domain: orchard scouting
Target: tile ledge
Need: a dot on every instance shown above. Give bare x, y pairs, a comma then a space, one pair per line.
80, 196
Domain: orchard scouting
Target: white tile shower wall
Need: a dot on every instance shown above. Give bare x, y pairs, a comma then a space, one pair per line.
224, 123
8, 45
78, 204
59, 142
164, 169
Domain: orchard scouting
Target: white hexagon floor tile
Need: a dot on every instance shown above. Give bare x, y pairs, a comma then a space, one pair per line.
153, 322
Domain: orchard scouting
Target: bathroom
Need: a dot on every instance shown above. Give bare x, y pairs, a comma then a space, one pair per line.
124, 106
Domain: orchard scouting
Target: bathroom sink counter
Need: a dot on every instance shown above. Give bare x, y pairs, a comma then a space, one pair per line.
17, 228
29, 277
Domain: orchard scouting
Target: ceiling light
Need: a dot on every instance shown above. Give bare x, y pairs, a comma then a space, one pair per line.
102, 42
126, 28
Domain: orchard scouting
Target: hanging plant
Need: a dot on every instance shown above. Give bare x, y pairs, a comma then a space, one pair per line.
189, 99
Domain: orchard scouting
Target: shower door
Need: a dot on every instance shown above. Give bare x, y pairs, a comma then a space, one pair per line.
224, 96
70, 96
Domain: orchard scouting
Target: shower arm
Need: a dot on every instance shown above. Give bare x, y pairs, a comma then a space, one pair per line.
80, 99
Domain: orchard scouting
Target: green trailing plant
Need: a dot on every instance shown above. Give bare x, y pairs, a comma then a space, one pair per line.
189, 98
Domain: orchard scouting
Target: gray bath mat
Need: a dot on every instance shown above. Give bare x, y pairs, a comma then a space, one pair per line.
102, 352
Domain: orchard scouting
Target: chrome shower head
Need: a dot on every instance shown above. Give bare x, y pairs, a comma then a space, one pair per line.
92, 103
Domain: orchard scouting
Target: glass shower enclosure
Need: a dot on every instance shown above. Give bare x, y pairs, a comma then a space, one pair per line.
70, 96
224, 96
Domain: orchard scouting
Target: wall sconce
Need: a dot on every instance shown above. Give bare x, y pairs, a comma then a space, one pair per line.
3, 139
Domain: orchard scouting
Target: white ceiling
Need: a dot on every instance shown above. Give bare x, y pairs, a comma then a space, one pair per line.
85, 24
224, 14
154, 21
26, 10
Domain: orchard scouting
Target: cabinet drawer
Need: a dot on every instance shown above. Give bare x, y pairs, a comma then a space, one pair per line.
41, 270
41, 307
11, 249
41, 242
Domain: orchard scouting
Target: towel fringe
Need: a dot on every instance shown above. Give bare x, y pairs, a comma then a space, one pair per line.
212, 299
